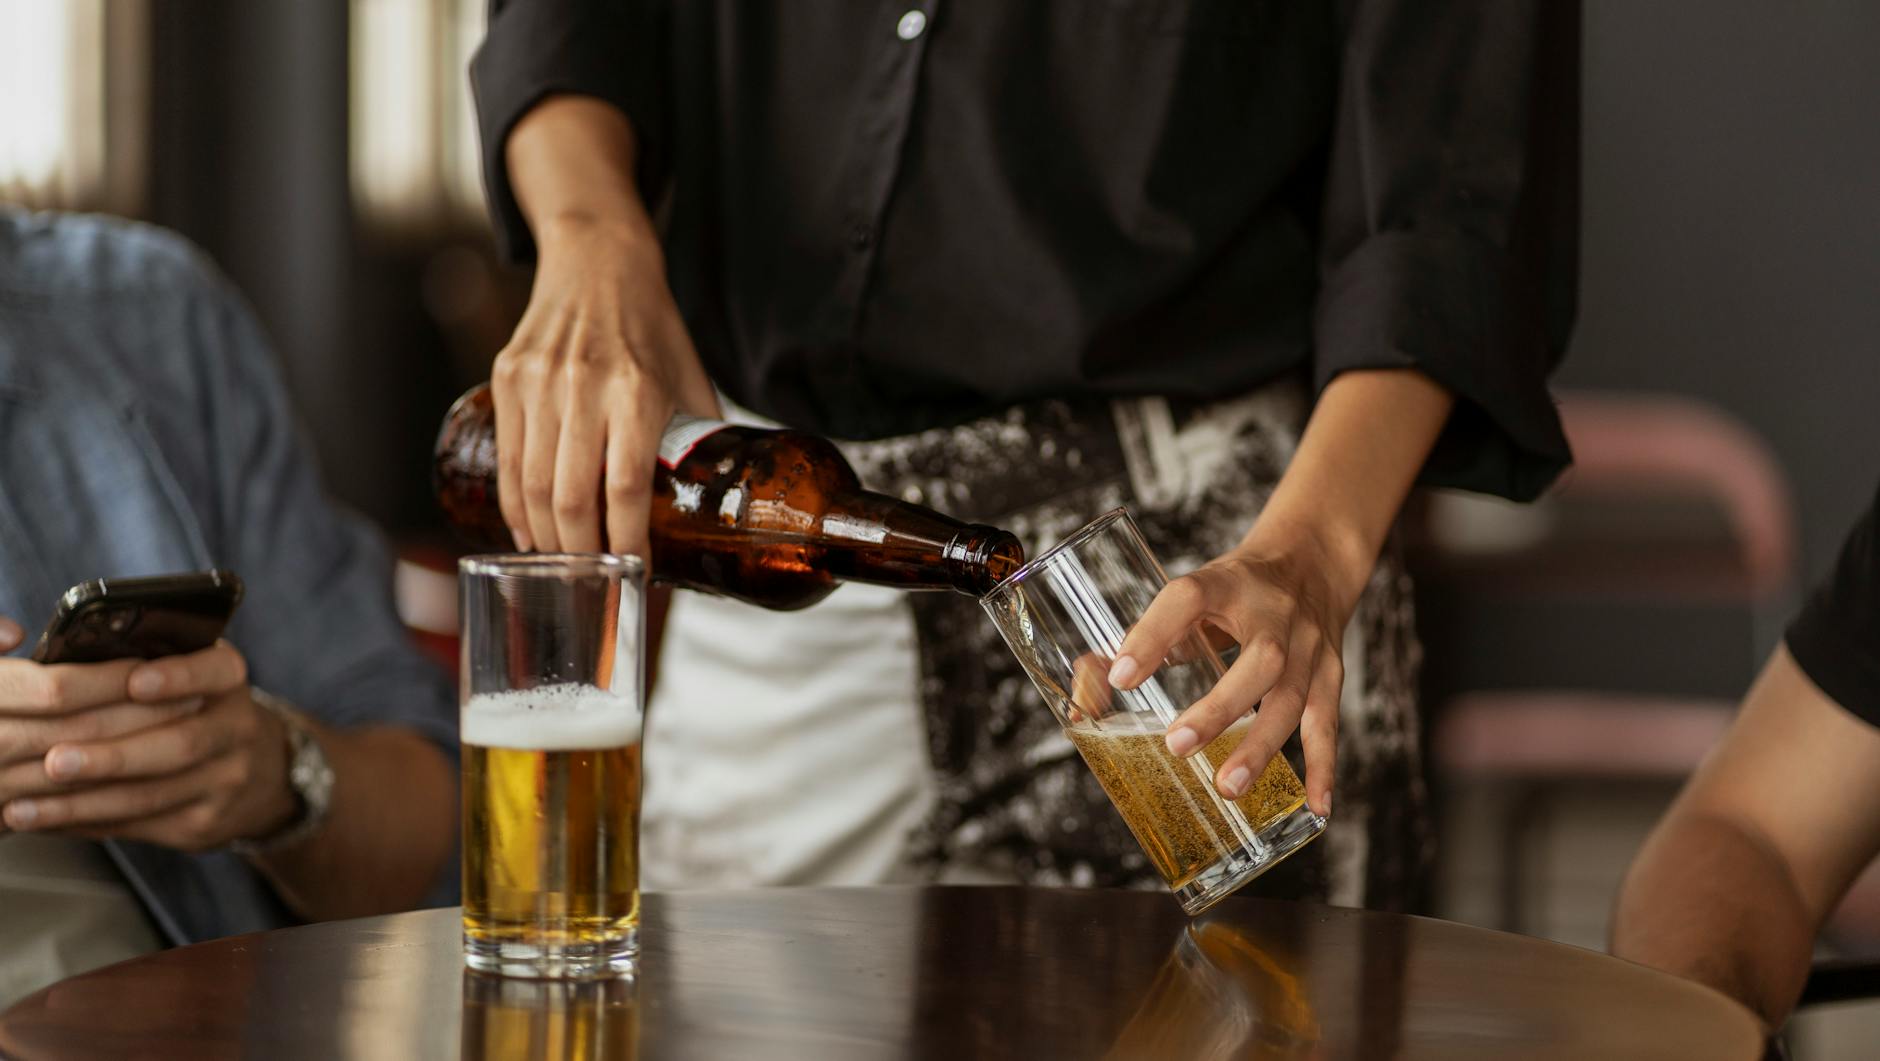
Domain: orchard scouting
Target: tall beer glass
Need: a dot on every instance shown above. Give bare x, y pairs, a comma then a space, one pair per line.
1064, 615
551, 714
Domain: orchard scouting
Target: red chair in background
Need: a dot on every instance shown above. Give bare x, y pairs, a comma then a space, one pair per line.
1633, 456
424, 585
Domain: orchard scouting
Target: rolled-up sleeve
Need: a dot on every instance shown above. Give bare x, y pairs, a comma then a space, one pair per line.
611, 50
1836, 638
1450, 222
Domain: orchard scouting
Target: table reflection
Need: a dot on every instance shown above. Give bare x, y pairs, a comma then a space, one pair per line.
549, 1020
1219, 996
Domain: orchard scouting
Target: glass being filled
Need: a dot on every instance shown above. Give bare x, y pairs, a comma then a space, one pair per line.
1064, 615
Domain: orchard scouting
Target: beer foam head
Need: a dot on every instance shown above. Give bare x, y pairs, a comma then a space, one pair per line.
553, 718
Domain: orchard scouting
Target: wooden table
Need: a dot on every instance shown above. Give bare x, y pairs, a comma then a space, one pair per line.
955, 973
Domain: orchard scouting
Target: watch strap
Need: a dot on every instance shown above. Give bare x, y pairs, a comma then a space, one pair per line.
308, 775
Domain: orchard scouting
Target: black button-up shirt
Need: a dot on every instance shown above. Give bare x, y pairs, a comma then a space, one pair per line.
1836, 638
884, 217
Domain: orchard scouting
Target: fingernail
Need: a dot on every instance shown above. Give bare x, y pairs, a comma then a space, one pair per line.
146, 683
523, 544
1182, 740
1325, 800
65, 762
194, 703
21, 813
1122, 671
1236, 782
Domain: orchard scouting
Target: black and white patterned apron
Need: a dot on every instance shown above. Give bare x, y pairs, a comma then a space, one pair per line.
1013, 799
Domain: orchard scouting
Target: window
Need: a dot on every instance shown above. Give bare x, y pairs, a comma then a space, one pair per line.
414, 142
72, 88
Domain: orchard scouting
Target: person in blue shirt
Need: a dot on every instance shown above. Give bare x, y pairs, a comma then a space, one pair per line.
303, 768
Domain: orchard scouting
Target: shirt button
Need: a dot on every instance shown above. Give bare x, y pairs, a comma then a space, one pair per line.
861, 235
911, 25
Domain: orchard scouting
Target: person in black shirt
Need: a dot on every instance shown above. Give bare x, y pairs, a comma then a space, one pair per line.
1735, 882
1034, 260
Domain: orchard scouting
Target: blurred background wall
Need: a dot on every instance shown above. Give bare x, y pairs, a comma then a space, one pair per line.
323, 154
1731, 238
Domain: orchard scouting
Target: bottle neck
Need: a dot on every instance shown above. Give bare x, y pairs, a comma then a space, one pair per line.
980, 557
870, 537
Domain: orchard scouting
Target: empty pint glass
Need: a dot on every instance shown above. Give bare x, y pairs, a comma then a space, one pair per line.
551, 714
1064, 615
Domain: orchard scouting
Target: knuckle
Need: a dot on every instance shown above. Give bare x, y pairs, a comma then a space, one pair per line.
584, 367
573, 504
1254, 752
1184, 596
89, 726
622, 491
1286, 695
1220, 708
192, 742
507, 368
538, 489
243, 726
105, 761
53, 690
198, 824
1188, 589
628, 482
241, 771
627, 371
1267, 643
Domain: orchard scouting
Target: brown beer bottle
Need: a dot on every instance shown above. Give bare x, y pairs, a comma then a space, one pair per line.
775, 518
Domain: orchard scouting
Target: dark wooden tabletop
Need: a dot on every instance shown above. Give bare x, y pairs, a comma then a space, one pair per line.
956, 973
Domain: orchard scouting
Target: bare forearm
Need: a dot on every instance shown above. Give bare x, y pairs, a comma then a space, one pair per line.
1368, 437
1710, 902
570, 161
392, 824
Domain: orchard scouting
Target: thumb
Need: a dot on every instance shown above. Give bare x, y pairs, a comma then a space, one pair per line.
10, 634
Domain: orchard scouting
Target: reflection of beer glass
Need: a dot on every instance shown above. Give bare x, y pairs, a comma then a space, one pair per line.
1218, 996
549, 1020
1064, 615
551, 763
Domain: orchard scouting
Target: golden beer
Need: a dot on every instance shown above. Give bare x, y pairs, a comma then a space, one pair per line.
1172, 811
551, 817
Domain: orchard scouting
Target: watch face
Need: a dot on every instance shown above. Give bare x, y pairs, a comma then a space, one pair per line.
311, 776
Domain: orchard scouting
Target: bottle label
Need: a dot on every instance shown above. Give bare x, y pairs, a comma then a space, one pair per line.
683, 434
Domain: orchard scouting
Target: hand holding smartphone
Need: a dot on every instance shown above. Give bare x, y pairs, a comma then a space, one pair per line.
133, 720
140, 618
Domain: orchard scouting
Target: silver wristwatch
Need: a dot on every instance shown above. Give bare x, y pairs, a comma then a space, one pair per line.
308, 774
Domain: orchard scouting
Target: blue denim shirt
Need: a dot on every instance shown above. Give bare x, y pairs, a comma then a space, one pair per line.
144, 429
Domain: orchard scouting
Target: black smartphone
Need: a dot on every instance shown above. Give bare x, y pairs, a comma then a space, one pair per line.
142, 618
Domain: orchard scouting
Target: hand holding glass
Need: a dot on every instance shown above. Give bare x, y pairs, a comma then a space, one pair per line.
1064, 615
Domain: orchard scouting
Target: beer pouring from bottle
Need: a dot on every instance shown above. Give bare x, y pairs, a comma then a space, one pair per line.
774, 518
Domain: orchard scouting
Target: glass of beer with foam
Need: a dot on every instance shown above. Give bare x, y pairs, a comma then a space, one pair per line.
551, 716
1064, 615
